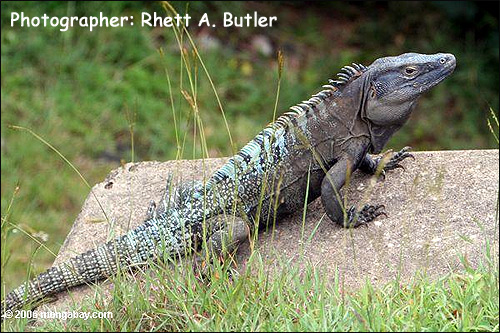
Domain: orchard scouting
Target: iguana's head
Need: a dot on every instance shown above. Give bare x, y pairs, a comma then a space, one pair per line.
395, 84
392, 86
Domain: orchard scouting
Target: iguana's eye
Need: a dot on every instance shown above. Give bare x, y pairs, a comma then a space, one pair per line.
373, 91
410, 70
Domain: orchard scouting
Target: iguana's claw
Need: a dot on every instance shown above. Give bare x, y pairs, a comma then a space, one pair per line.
367, 214
394, 162
398, 166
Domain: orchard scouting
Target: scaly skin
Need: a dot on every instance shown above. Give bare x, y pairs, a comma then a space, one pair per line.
319, 142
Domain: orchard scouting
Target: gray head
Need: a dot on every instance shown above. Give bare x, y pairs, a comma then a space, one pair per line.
391, 87
395, 83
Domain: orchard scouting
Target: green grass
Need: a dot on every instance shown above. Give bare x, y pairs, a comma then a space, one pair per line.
175, 298
90, 93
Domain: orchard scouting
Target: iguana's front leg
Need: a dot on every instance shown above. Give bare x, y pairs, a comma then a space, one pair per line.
370, 165
333, 201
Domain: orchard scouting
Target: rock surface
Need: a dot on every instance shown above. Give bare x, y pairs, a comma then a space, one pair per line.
443, 205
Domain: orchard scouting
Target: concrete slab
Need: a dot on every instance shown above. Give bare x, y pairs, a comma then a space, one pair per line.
443, 205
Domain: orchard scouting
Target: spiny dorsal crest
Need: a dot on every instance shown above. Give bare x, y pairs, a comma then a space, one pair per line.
346, 74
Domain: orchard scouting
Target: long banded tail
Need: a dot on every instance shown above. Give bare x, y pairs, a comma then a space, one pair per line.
163, 233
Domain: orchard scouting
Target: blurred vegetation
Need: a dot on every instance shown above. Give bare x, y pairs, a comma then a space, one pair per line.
78, 90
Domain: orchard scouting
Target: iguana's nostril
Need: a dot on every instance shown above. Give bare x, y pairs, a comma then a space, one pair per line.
442, 60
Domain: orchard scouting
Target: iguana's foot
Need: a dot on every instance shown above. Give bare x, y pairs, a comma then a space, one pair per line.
227, 232
367, 214
204, 270
371, 165
200, 266
394, 161
398, 157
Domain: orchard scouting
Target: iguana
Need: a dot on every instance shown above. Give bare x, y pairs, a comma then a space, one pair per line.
314, 147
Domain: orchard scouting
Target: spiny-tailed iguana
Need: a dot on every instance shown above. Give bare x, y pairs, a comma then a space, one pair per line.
313, 147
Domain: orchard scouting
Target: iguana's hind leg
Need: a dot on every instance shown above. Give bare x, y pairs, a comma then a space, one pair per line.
226, 232
230, 231
333, 201
370, 164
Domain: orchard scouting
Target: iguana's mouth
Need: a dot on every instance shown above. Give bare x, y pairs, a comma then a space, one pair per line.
448, 66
